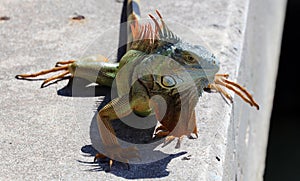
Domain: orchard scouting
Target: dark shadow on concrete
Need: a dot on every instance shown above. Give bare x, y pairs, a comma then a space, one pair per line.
153, 163
29, 79
78, 87
156, 169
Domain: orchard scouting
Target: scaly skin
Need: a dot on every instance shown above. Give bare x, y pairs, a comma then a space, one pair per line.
158, 64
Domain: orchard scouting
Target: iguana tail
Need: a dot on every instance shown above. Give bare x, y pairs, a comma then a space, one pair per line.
133, 15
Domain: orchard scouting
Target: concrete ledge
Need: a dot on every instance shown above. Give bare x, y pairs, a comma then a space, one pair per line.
45, 136
248, 132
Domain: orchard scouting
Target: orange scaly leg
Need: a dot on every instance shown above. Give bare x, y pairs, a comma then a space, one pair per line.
64, 68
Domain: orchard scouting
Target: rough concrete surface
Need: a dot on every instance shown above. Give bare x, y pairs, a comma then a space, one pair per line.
46, 134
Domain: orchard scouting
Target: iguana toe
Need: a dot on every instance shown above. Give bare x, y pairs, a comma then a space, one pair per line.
119, 154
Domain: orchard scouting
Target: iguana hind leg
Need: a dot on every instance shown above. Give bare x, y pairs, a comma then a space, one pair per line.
93, 68
64, 68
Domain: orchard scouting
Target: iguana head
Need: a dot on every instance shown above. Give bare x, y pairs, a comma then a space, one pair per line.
197, 61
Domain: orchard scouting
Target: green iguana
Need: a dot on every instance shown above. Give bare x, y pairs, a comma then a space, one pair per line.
157, 63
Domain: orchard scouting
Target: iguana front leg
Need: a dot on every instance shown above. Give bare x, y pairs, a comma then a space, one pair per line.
162, 131
117, 109
222, 80
179, 120
112, 148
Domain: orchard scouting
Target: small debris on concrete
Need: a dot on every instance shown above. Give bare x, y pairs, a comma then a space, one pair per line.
4, 18
78, 17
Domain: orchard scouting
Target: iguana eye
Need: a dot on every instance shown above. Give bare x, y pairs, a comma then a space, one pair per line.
190, 59
168, 81
177, 51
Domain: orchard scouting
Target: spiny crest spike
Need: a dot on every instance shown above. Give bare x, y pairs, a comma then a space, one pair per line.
164, 26
157, 27
158, 13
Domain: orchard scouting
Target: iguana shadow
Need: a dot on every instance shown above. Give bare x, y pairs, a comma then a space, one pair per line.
78, 87
153, 162
156, 169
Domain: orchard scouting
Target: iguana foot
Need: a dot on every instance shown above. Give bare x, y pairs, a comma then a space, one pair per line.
161, 131
222, 80
117, 153
60, 66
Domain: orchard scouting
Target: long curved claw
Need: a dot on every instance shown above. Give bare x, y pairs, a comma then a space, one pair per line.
160, 132
43, 72
195, 132
60, 66
64, 62
62, 75
218, 88
221, 80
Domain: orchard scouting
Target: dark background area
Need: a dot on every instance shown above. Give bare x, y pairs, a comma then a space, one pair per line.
283, 155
